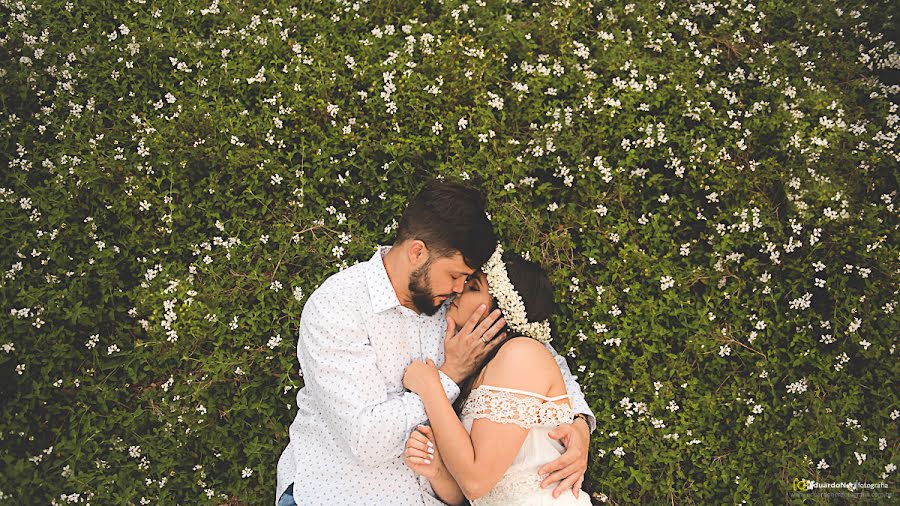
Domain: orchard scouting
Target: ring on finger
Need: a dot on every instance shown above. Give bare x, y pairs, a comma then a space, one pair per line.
482, 340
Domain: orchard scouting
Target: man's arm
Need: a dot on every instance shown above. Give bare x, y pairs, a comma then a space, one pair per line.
578, 402
340, 369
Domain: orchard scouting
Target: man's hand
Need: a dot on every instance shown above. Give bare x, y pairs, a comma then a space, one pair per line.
466, 349
571, 465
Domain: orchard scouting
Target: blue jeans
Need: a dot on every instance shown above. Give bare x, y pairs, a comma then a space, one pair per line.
287, 498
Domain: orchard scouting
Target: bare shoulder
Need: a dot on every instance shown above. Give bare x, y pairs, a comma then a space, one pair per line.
523, 348
525, 364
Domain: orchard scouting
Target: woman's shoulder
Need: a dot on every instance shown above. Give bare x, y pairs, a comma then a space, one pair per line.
525, 364
523, 348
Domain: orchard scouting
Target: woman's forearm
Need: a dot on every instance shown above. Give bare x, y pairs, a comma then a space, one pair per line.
446, 489
452, 439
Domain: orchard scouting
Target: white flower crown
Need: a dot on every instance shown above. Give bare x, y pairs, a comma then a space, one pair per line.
510, 301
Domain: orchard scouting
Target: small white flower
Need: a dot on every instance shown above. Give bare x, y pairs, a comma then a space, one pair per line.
798, 387
462, 123
666, 282
437, 127
495, 101
246, 472
724, 350
822, 464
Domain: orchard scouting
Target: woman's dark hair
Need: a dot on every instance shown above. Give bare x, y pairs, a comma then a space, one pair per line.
449, 217
533, 285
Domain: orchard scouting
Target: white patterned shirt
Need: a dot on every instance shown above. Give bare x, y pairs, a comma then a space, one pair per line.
353, 413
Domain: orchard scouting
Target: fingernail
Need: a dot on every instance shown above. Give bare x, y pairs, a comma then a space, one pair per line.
427, 461
431, 450
430, 445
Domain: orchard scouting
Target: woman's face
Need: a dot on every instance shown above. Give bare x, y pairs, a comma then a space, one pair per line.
474, 294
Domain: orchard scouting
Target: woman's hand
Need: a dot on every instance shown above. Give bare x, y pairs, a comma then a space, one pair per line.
421, 454
420, 376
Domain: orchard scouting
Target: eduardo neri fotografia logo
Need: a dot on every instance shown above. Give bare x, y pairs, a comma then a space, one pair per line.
841, 488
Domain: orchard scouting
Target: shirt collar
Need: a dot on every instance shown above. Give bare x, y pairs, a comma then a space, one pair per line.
381, 291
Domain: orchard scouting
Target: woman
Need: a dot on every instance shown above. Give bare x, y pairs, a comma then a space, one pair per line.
507, 407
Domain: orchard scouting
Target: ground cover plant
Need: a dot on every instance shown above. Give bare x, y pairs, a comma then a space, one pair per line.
713, 185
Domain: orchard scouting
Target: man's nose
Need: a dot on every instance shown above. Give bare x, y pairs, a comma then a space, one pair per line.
459, 285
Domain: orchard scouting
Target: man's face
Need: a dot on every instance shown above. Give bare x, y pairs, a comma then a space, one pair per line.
436, 281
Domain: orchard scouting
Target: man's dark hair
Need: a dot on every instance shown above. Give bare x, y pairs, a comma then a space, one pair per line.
449, 217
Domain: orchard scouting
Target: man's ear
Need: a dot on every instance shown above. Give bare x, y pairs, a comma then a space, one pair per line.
417, 252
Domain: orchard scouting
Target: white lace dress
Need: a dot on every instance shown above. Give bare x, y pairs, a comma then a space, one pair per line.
521, 484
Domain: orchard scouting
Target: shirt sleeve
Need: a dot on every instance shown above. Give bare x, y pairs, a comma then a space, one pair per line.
579, 404
340, 370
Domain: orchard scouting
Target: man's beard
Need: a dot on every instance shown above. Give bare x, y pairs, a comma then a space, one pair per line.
420, 290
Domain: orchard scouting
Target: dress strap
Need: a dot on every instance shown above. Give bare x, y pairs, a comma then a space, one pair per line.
523, 392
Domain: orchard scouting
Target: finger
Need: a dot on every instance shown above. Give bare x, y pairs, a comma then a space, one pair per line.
473, 320
488, 321
450, 332
422, 446
426, 430
565, 460
497, 341
577, 487
565, 484
494, 329
428, 433
419, 460
562, 474
418, 436
420, 454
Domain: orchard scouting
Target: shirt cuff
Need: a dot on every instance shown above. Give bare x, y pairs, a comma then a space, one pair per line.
450, 387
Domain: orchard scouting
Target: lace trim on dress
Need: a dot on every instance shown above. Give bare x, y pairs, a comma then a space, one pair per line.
512, 489
503, 405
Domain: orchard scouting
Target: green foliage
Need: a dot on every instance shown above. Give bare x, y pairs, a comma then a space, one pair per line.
712, 185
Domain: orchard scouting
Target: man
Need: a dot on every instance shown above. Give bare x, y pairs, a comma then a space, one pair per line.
361, 329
